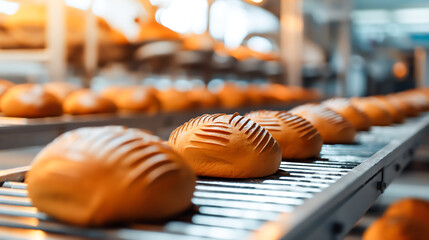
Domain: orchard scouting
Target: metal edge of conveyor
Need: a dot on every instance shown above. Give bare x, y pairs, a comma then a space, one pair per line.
334, 211
32, 132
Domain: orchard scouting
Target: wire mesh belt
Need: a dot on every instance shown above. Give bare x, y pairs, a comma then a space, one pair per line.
223, 208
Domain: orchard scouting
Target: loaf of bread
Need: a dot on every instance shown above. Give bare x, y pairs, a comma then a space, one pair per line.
405, 219
60, 89
398, 116
227, 146
232, 96
396, 228
137, 99
256, 95
203, 98
410, 110
30, 101
410, 208
173, 100
345, 108
414, 98
104, 175
378, 114
296, 136
332, 126
112, 92
85, 101
4, 86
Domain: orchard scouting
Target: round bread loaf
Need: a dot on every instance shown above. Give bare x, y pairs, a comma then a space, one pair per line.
414, 98
256, 95
60, 89
232, 96
408, 109
296, 136
30, 101
394, 110
139, 99
378, 114
103, 175
345, 108
203, 98
87, 102
173, 100
113, 92
4, 86
228, 146
396, 228
410, 208
280, 93
332, 126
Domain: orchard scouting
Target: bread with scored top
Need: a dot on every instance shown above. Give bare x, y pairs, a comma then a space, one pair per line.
332, 126
103, 175
227, 146
296, 136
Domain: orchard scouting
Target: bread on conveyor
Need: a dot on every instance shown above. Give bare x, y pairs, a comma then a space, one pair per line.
228, 146
415, 98
232, 96
410, 110
345, 108
396, 228
173, 100
332, 126
203, 98
60, 89
103, 175
296, 136
30, 101
406, 219
85, 101
256, 95
411, 208
377, 113
398, 116
112, 92
138, 99
4, 86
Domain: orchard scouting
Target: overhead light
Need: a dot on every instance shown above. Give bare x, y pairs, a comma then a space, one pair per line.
8, 8
411, 15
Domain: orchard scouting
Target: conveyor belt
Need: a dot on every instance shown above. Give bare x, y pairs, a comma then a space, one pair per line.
315, 199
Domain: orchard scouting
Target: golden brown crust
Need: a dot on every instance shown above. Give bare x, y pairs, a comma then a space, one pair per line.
173, 100
60, 89
203, 98
228, 146
396, 228
139, 99
398, 116
296, 136
332, 126
4, 86
410, 110
345, 108
414, 98
87, 102
112, 92
102, 175
232, 96
30, 101
378, 114
410, 208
